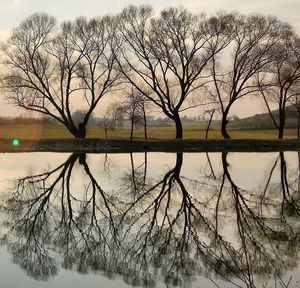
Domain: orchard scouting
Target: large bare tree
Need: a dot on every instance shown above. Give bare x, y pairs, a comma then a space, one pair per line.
165, 57
49, 67
250, 51
280, 85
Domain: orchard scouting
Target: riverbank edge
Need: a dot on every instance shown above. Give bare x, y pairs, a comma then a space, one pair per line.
125, 146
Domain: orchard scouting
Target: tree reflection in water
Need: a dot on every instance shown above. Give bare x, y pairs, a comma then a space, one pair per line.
169, 228
46, 214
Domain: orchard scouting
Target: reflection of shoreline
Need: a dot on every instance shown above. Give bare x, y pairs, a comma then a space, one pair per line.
124, 146
178, 220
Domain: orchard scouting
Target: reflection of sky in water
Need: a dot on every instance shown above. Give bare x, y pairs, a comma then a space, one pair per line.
248, 170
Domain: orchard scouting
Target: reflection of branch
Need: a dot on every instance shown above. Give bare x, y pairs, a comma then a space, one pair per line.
29, 206
289, 203
253, 227
164, 227
108, 203
171, 227
46, 212
157, 228
210, 167
169, 221
263, 195
246, 218
33, 258
136, 179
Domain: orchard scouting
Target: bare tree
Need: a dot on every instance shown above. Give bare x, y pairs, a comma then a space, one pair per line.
132, 111
253, 38
144, 107
116, 113
113, 117
48, 67
134, 108
283, 74
168, 55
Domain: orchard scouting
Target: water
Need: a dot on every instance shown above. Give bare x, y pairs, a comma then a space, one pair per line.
150, 220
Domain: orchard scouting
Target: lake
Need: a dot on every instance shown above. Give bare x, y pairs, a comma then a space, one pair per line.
150, 220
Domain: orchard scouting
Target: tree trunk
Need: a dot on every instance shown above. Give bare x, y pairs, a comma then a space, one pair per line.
281, 123
209, 122
145, 124
81, 130
178, 124
131, 130
224, 124
280, 132
298, 124
105, 131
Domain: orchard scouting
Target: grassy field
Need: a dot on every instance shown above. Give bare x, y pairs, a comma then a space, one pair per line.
36, 132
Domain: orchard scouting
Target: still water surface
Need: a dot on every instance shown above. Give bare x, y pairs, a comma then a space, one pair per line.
150, 220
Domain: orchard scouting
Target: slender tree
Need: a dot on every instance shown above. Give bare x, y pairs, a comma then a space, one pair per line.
210, 112
134, 109
49, 67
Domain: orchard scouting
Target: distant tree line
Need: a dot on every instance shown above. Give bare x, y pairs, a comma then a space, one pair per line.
171, 62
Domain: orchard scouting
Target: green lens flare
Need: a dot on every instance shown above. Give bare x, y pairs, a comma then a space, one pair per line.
15, 142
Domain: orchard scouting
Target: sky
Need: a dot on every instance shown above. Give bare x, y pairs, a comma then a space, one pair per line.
12, 12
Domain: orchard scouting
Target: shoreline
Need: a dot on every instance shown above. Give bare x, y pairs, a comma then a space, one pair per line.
125, 146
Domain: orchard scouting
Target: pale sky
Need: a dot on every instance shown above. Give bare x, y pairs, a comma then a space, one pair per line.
12, 12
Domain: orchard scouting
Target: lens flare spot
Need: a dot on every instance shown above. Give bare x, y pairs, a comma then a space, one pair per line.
15, 142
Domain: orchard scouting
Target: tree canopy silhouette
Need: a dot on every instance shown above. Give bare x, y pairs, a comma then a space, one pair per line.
48, 67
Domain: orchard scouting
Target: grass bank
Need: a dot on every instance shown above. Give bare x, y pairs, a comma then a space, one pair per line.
38, 137
122, 146
39, 131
